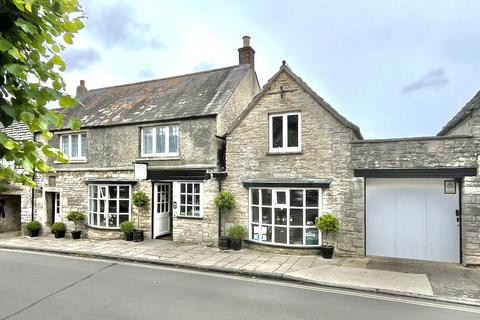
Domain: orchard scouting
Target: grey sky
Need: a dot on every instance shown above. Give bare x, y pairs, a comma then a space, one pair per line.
395, 68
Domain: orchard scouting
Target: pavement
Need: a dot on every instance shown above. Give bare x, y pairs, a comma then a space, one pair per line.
429, 280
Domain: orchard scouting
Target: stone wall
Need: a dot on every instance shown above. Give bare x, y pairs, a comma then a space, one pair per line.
326, 153
25, 193
12, 209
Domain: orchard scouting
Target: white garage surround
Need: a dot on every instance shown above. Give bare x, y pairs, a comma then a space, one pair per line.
412, 218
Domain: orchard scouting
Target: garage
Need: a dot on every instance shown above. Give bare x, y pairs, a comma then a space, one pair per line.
413, 218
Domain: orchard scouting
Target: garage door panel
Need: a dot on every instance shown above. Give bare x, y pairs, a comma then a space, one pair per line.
381, 219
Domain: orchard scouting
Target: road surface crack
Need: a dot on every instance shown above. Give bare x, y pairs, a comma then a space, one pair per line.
58, 291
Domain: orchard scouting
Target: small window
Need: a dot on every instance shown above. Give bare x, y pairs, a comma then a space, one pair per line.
285, 132
160, 141
191, 199
74, 146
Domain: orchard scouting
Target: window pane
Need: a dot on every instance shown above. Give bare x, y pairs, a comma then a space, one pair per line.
102, 192
94, 191
160, 147
112, 192
189, 210
255, 232
267, 197
84, 145
173, 143
95, 206
280, 235
95, 221
267, 215
312, 198
65, 145
189, 188
124, 192
310, 217
255, 196
183, 199
182, 187
296, 217
255, 214
147, 140
124, 206
196, 187
102, 221
189, 199
281, 197
112, 206
197, 199
296, 198
74, 145
280, 216
122, 218
196, 211
296, 236
277, 132
102, 206
112, 220
292, 130
311, 236
266, 234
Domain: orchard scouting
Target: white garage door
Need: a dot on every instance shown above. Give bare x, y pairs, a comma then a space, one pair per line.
413, 219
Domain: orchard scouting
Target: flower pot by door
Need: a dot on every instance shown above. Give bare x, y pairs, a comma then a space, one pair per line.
223, 243
76, 234
34, 233
59, 234
236, 244
129, 236
327, 251
138, 236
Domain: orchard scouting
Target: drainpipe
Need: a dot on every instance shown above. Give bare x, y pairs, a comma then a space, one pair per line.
219, 176
33, 190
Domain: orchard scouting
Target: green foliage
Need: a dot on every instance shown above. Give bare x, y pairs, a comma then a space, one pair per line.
33, 225
140, 199
31, 33
327, 224
225, 201
59, 226
4, 185
237, 232
76, 217
127, 226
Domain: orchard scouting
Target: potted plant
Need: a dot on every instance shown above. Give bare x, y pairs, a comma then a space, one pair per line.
225, 202
76, 217
34, 228
58, 229
327, 224
139, 200
237, 233
127, 227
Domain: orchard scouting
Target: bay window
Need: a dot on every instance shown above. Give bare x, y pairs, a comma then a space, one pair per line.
160, 141
74, 145
285, 216
285, 132
108, 205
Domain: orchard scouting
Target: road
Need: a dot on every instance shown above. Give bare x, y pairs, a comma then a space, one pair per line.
38, 286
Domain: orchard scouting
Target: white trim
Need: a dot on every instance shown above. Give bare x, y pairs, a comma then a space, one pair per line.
285, 148
107, 198
193, 194
79, 157
167, 152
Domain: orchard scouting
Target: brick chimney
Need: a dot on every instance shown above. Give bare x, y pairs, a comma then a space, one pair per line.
81, 89
246, 54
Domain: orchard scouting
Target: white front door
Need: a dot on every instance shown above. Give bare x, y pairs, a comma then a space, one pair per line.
162, 209
412, 218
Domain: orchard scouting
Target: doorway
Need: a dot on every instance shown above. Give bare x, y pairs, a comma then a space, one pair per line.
162, 209
52, 206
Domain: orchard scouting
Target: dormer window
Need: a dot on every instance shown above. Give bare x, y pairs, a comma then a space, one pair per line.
285, 132
160, 141
74, 146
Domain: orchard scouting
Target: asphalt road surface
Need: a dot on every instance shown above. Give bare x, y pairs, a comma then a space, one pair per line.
38, 286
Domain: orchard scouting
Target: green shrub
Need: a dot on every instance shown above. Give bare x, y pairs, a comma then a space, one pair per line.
140, 199
59, 226
33, 225
76, 217
127, 226
327, 224
237, 232
225, 201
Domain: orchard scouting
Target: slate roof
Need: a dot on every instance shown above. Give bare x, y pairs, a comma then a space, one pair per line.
473, 104
17, 131
313, 94
190, 95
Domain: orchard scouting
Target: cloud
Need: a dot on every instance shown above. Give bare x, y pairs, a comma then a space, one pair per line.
146, 74
117, 26
204, 65
434, 79
80, 59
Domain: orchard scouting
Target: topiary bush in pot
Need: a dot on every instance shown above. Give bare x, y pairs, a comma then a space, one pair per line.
76, 217
127, 227
237, 233
34, 228
139, 200
58, 229
328, 224
225, 202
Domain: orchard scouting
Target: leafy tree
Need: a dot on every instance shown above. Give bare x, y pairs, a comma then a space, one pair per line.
32, 35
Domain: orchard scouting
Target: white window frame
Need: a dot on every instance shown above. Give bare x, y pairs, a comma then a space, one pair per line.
106, 210
79, 146
180, 193
167, 152
285, 148
287, 206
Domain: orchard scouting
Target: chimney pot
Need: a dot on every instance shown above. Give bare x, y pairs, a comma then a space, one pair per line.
246, 54
246, 41
82, 82
81, 89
